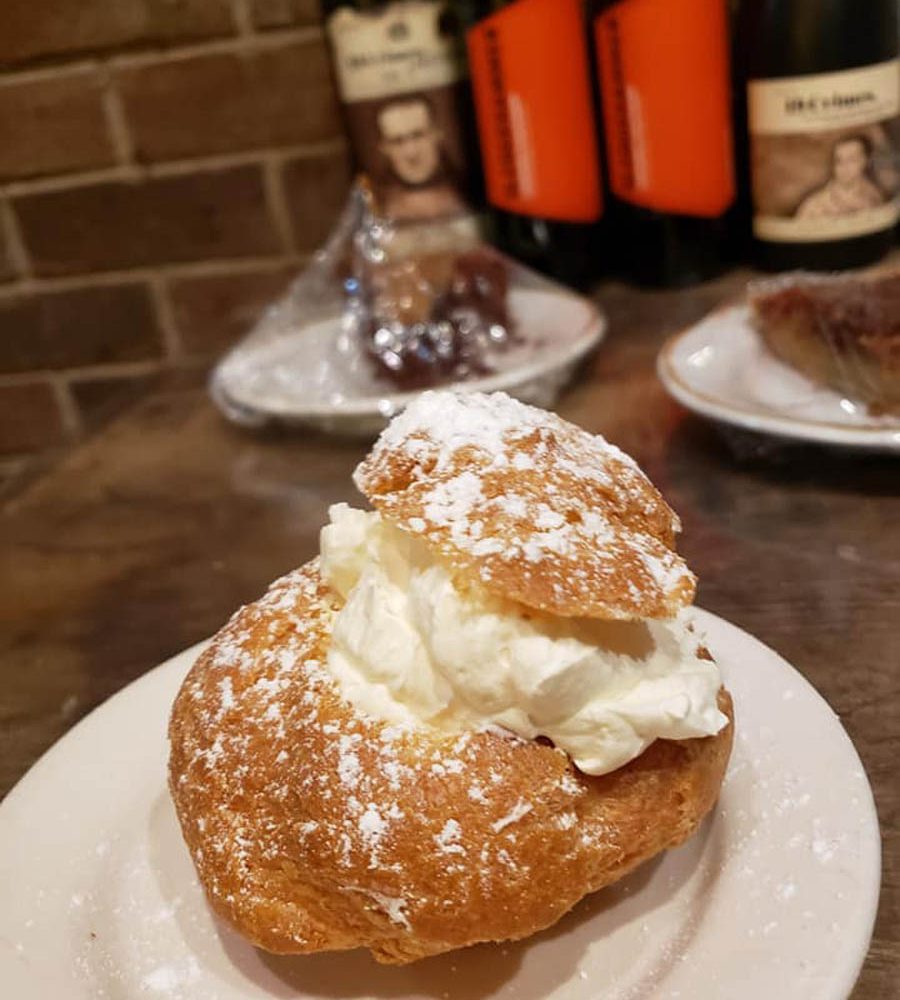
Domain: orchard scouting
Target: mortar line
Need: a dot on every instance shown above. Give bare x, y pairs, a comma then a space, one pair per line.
15, 242
86, 373
277, 203
277, 38
175, 270
116, 120
243, 22
73, 425
173, 348
208, 163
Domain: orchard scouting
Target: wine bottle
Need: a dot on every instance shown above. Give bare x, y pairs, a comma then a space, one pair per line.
400, 70
531, 83
821, 82
664, 79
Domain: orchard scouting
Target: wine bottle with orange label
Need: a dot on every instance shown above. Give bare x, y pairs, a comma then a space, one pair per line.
531, 82
663, 76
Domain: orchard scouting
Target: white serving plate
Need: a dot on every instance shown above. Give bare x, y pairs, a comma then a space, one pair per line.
774, 897
302, 379
720, 368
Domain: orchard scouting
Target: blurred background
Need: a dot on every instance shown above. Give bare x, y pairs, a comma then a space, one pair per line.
165, 166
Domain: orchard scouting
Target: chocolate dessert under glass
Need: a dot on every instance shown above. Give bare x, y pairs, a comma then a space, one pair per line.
387, 308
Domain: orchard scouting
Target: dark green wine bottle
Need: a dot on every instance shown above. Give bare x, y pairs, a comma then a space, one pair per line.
820, 84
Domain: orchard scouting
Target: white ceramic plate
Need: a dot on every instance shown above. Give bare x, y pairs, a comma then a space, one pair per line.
775, 896
721, 369
302, 378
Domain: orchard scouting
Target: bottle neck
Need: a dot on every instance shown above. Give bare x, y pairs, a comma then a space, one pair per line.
799, 37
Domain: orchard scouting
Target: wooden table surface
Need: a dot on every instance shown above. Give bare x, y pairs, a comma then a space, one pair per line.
145, 538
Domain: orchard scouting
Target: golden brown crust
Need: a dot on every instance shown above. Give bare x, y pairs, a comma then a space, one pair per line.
313, 828
841, 331
535, 508
856, 375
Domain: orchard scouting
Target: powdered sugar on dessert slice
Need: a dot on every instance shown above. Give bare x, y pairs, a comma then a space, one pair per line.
531, 506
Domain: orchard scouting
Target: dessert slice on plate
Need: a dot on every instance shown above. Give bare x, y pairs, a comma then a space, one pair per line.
842, 331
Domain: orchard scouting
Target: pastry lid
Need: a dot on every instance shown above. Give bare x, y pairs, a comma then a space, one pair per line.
534, 508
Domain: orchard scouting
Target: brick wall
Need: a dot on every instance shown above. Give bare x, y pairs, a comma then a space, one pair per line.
165, 166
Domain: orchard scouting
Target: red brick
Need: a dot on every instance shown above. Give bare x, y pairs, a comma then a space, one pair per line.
214, 311
100, 399
316, 189
51, 28
284, 13
58, 125
119, 225
29, 418
226, 102
85, 326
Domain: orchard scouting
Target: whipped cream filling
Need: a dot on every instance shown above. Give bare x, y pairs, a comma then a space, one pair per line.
412, 645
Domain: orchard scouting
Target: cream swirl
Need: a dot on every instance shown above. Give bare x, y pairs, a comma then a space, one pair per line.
413, 645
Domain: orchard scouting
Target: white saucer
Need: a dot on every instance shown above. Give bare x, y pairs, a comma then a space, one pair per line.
302, 378
721, 369
775, 896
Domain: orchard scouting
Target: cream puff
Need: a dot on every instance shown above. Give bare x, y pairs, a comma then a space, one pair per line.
484, 700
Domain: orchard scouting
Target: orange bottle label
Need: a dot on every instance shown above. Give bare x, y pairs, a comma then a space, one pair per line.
664, 80
531, 82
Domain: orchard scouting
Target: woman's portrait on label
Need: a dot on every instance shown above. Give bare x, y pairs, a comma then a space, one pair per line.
851, 185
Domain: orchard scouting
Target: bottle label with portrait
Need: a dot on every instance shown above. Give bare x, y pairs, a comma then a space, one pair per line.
664, 83
532, 88
823, 154
399, 69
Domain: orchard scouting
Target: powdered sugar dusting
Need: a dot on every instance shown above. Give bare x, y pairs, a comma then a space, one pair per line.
373, 827
348, 762
542, 511
393, 906
456, 421
449, 837
520, 809
227, 694
336, 792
